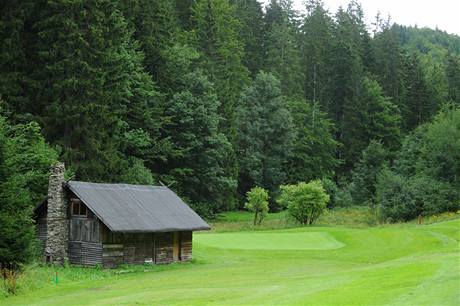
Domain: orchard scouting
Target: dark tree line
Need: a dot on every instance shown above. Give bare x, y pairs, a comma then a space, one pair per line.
213, 97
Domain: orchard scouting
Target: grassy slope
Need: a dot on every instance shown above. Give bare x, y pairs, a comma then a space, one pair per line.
400, 265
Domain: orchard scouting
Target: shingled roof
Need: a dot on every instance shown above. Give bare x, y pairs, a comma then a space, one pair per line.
137, 208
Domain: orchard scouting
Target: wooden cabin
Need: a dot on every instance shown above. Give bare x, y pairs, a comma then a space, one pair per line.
92, 224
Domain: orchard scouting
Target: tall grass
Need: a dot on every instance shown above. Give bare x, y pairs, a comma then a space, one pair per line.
37, 276
355, 216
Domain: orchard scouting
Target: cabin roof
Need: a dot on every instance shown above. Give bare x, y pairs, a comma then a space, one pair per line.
137, 208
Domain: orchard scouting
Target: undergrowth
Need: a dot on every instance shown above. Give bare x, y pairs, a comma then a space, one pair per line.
37, 276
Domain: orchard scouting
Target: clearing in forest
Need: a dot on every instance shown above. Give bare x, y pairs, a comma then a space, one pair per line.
394, 265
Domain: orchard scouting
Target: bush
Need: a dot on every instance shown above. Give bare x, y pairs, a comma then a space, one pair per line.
373, 160
403, 199
331, 189
343, 197
257, 202
305, 202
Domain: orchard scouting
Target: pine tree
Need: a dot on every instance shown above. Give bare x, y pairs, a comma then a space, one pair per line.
314, 149
317, 42
453, 78
250, 15
373, 161
15, 64
156, 27
347, 77
25, 159
282, 51
418, 105
217, 32
389, 61
91, 78
197, 164
265, 135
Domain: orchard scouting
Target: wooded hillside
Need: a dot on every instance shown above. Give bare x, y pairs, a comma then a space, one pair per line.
213, 97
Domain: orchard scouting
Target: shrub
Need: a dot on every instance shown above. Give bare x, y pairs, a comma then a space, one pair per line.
305, 202
373, 160
257, 202
404, 198
331, 189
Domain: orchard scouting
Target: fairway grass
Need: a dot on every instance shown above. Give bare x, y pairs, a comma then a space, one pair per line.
395, 265
271, 241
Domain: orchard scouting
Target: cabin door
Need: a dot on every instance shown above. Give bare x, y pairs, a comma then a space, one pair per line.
176, 246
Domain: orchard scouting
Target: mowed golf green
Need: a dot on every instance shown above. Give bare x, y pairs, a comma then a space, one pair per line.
397, 265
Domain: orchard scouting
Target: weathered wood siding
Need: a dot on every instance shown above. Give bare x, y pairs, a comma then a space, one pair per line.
85, 253
163, 248
85, 247
41, 231
139, 248
186, 246
41, 226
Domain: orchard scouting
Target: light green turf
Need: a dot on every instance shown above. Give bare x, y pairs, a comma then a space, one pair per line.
272, 241
397, 265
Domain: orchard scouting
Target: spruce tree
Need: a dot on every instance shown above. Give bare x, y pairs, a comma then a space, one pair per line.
196, 166
15, 62
314, 149
217, 33
156, 28
25, 159
317, 42
282, 51
265, 135
389, 60
91, 78
453, 78
251, 31
418, 105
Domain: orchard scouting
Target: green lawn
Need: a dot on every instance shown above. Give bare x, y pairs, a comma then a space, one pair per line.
396, 265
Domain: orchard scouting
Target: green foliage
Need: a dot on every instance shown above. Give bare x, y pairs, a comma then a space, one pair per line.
25, 160
265, 135
94, 89
374, 159
314, 149
425, 177
317, 42
217, 34
257, 202
282, 48
403, 199
140, 91
305, 201
197, 163
251, 31
440, 155
419, 106
453, 78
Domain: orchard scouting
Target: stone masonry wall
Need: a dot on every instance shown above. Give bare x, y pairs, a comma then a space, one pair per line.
57, 221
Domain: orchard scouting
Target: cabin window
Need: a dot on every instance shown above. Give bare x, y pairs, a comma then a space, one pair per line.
79, 209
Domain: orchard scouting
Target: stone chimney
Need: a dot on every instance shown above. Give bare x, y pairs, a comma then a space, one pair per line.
57, 220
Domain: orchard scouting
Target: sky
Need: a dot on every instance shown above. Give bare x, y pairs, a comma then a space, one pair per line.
444, 14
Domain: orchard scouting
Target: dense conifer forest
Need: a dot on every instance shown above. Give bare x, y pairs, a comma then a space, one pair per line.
214, 97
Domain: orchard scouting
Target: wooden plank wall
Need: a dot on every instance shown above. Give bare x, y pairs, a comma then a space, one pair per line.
163, 248
186, 246
85, 247
42, 232
85, 253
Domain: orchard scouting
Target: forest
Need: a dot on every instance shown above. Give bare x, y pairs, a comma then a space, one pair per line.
215, 97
